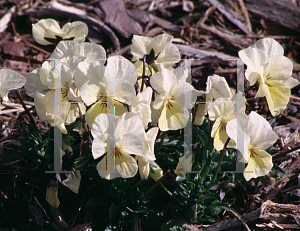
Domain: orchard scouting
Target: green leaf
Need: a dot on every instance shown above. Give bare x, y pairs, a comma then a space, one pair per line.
113, 209
172, 224
80, 162
35, 133
205, 168
272, 122
276, 168
216, 208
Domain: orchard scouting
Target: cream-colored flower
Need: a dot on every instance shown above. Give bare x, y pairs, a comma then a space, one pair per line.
174, 97
71, 100
107, 88
141, 106
221, 111
119, 138
216, 87
157, 171
9, 80
148, 154
157, 50
48, 31
267, 66
258, 136
184, 165
68, 49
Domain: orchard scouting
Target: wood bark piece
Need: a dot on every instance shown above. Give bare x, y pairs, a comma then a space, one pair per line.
199, 54
229, 224
279, 184
165, 24
278, 11
235, 41
117, 17
232, 16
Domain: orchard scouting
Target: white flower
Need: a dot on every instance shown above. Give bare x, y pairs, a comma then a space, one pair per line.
267, 66
40, 85
48, 31
119, 137
221, 111
148, 155
184, 165
107, 88
68, 49
258, 136
9, 80
173, 100
158, 50
216, 87
158, 172
141, 106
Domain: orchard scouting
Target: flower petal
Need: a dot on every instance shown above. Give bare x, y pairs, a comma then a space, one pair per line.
259, 164
9, 80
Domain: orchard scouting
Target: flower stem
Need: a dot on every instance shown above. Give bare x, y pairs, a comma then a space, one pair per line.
84, 125
220, 160
162, 137
157, 182
144, 70
26, 110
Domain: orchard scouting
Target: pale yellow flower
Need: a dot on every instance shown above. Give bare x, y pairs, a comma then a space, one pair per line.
109, 87
267, 66
119, 146
221, 111
258, 136
48, 31
148, 153
216, 87
173, 100
158, 50
9, 80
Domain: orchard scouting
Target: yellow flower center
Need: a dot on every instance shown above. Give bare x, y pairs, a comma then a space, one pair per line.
65, 90
252, 152
169, 103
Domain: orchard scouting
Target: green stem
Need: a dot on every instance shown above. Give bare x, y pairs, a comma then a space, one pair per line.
162, 138
26, 110
220, 160
84, 125
195, 111
144, 70
157, 182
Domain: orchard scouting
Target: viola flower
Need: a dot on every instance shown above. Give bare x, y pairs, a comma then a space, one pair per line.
258, 136
216, 87
110, 87
156, 172
48, 31
89, 52
148, 153
221, 111
157, 50
141, 106
184, 165
267, 66
9, 80
71, 100
127, 141
173, 99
